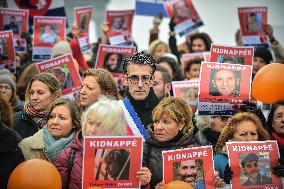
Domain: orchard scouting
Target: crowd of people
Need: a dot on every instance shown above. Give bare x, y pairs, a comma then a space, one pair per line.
37, 122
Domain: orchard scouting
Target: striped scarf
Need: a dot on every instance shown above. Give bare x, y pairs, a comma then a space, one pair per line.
37, 117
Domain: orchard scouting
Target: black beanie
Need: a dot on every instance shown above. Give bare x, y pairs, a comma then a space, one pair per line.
264, 54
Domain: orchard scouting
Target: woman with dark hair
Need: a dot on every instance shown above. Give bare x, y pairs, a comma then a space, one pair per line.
113, 62
41, 91
10, 154
275, 127
63, 120
200, 42
170, 62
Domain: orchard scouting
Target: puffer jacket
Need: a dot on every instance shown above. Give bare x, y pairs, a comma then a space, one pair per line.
74, 181
152, 153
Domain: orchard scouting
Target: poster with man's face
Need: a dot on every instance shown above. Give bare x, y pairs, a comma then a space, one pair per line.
252, 22
112, 162
252, 164
188, 165
231, 54
222, 86
184, 15
120, 23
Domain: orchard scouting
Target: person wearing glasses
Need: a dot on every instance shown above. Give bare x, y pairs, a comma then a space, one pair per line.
140, 98
275, 127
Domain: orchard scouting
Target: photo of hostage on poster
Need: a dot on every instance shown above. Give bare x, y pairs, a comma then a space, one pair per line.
83, 17
222, 86
17, 21
47, 31
184, 15
231, 54
252, 21
252, 164
112, 162
111, 58
188, 165
120, 26
63, 68
188, 91
7, 51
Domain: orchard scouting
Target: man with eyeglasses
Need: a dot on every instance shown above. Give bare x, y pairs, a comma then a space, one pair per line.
140, 98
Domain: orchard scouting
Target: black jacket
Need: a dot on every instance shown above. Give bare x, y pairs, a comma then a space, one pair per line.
206, 137
152, 154
24, 124
144, 108
10, 154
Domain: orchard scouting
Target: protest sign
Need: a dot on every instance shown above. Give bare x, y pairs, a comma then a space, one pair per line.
252, 163
112, 161
189, 165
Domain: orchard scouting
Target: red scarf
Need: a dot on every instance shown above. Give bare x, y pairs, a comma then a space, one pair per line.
280, 141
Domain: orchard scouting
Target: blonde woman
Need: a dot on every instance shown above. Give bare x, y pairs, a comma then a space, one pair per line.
103, 118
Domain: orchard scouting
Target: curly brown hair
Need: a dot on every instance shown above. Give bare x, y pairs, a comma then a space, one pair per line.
6, 112
175, 108
105, 80
73, 108
230, 128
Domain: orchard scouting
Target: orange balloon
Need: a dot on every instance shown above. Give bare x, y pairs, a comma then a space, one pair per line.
268, 83
178, 184
35, 174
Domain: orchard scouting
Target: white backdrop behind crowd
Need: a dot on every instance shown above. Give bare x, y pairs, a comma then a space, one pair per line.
220, 18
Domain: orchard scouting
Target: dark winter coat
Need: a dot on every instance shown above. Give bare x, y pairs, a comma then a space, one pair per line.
144, 108
61, 163
152, 153
206, 137
24, 124
10, 154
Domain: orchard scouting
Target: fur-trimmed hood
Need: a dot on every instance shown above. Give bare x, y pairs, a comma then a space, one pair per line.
9, 139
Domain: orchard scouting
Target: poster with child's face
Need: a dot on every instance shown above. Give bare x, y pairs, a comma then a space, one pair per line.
252, 22
188, 165
252, 163
7, 51
232, 55
120, 26
184, 15
222, 85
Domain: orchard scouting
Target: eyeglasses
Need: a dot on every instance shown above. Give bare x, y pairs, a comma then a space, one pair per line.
5, 87
223, 118
145, 79
278, 116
